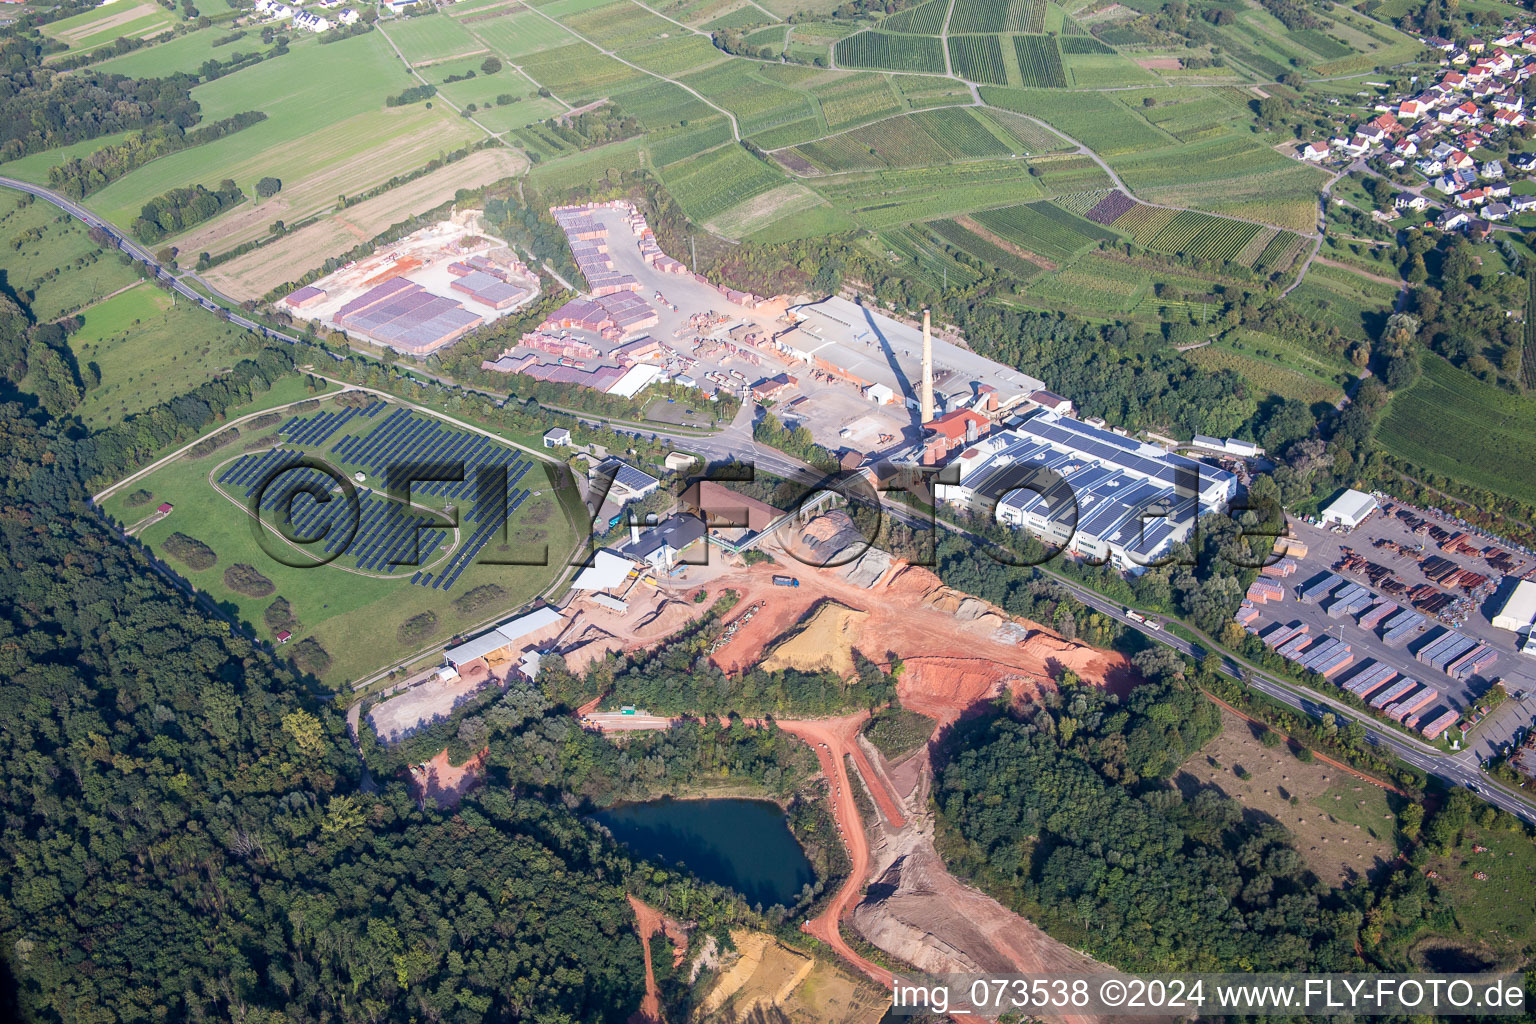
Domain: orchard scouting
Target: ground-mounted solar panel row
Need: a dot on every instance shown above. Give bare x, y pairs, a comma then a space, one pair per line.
306, 430
387, 535
404, 438
470, 549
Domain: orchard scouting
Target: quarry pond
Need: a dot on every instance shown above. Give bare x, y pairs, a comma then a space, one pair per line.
745, 844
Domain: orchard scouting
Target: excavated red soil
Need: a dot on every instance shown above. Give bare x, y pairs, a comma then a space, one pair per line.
446, 782
958, 650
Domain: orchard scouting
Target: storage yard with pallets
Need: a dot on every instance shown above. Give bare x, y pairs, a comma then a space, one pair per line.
1397, 614
423, 292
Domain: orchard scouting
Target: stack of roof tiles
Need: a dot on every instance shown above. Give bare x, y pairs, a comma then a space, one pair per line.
404, 315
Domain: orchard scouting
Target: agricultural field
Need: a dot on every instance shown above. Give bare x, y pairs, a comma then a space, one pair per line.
577, 73
327, 131
149, 350
969, 237
713, 182
928, 138
515, 33
998, 16
1266, 372
1093, 287
102, 25
1199, 236
924, 19
1353, 304
184, 53
920, 254
1039, 62
1097, 71
433, 38
758, 102
856, 99
891, 198
278, 262
1430, 423
355, 616
48, 259
978, 59
1045, 229
889, 51
1099, 122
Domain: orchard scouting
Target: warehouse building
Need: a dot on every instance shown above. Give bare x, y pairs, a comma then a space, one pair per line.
496, 645
1349, 509
1102, 496
1519, 612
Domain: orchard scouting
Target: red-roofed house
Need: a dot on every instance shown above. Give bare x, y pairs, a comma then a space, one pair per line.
1410, 108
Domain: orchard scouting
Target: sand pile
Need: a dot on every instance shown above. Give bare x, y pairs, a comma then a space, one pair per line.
869, 568
824, 642
834, 541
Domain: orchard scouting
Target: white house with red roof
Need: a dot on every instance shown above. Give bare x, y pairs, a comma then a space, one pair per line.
1314, 151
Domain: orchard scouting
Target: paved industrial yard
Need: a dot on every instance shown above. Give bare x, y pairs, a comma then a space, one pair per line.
1516, 670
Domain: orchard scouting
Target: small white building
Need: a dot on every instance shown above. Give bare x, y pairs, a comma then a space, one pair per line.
557, 437
1350, 509
879, 394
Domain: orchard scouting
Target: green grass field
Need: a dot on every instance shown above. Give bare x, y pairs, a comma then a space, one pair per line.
150, 351
48, 258
1484, 921
432, 38
354, 617
106, 24
327, 130
1430, 424
184, 53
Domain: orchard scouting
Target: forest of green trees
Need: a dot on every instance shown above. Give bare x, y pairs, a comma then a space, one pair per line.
1063, 811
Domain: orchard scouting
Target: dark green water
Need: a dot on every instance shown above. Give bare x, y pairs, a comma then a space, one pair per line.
745, 844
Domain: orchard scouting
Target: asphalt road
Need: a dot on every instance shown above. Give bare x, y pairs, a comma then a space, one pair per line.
144, 256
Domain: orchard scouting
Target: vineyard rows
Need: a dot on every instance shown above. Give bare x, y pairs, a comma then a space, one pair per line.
1040, 62
978, 58
997, 16
984, 250
1203, 237
960, 133
925, 19
709, 184
1081, 202
891, 52
1083, 45
1031, 136
1111, 208
1144, 222
1032, 226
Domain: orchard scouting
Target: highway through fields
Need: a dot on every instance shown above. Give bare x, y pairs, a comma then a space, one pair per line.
144, 256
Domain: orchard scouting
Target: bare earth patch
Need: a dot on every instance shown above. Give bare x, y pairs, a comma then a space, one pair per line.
256, 273
1160, 63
